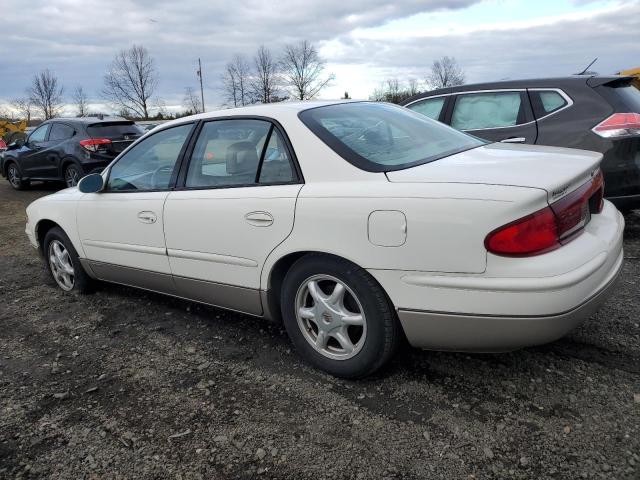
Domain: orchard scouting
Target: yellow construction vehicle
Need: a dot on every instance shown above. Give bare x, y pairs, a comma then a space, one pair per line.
632, 72
11, 131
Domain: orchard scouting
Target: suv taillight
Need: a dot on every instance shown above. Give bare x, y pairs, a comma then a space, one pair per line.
94, 144
619, 125
551, 227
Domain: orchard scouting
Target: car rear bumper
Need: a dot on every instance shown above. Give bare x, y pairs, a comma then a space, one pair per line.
517, 301
457, 332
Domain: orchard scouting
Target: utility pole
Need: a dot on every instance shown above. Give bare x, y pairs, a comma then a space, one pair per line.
199, 73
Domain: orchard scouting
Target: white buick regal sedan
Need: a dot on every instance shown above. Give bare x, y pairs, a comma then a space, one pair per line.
355, 223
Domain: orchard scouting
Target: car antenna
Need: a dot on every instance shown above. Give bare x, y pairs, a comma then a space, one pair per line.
588, 66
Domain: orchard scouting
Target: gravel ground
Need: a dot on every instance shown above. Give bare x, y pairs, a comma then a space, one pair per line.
129, 384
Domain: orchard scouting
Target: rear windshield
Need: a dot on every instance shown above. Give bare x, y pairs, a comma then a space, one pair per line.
630, 95
114, 130
379, 137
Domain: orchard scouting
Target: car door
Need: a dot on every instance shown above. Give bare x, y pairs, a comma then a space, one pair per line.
235, 205
497, 116
32, 156
121, 228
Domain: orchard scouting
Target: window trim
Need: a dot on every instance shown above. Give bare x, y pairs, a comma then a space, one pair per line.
525, 105
274, 125
176, 167
562, 93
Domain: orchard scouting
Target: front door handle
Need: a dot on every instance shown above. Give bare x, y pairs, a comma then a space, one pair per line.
514, 140
259, 219
147, 217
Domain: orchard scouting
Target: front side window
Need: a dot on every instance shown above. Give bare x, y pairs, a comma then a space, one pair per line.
430, 107
60, 131
380, 138
149, 165
228, 153
476, 111
39, 134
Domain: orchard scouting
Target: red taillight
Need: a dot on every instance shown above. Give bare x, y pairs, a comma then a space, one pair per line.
535, 233
93, 144
547, 229
619, 125
3, 145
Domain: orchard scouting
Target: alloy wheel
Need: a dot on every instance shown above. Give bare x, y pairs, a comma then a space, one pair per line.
13, 176
330, 317
61, 265
71, 176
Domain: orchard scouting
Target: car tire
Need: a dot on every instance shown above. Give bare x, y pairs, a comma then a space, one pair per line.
63, 264
322, 319
15, 177
72, 175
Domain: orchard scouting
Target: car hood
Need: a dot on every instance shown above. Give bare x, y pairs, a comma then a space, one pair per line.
556, 170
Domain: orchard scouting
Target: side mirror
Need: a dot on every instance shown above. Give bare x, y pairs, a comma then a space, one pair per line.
91, 183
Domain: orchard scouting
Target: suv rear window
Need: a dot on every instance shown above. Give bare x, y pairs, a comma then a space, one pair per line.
630, 95
114, 130
378, 137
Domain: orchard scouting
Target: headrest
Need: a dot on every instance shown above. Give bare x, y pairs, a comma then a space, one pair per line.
242, 158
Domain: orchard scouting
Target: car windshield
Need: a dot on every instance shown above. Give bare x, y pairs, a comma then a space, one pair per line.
379, 137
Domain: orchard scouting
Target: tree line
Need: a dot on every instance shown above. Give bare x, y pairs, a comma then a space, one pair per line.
297, 72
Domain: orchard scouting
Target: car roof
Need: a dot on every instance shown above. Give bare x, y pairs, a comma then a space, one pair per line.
87, 120
551, 82
261, 110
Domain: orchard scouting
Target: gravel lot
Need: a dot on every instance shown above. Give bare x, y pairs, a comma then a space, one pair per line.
129, 384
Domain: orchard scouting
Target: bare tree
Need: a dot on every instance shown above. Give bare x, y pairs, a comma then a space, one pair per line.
192, 101
413, 88
302, 70
236, 82
24, 107
131, 80
81, 101
392, 91
45, 93
445, 73
264, 84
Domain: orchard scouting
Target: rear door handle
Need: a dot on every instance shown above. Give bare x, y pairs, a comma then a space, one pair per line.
147, 217
514, 140
259, 219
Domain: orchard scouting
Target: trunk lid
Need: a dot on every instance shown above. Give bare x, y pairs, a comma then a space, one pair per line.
558, 171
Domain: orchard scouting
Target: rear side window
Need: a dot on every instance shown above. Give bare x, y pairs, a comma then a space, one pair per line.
545, 102
60, 131
378, 137
114, 130
431, 107
475, 111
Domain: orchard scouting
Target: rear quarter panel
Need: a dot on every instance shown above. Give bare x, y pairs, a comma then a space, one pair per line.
446, 223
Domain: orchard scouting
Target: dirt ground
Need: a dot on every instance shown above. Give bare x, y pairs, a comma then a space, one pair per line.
128, 384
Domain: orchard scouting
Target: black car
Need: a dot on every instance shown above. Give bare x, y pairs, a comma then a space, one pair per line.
588, 112
66, 149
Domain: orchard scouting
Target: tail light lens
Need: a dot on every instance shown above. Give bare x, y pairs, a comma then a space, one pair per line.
94, 144
619, 125
551, 227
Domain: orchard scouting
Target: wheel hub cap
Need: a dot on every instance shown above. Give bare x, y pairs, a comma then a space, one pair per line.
61, 265
330, 317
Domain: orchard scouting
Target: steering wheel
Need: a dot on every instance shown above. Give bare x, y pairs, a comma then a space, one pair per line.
166, 171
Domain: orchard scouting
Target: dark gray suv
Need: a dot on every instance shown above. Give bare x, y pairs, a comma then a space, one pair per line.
66, 149
588, 112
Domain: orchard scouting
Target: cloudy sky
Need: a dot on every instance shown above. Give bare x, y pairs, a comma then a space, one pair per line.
363, 41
